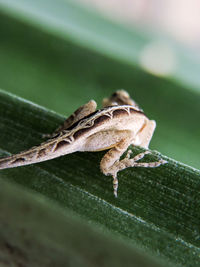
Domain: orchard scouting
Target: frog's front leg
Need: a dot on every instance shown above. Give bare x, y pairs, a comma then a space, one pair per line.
118, 141
127, 162
110, 161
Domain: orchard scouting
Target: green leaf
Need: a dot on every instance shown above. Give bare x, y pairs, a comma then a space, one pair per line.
157, 209
36, 232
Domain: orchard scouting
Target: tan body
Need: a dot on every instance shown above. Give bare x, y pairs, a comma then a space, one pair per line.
119, 124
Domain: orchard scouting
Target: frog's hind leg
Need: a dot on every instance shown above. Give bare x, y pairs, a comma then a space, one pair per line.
145, 134
79, 114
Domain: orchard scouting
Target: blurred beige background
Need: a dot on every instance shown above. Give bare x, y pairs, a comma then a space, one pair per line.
179, 19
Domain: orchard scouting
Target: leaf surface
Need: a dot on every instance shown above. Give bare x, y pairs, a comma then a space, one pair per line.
157, 209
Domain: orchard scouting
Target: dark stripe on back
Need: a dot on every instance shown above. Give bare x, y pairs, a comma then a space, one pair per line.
133, 110
19, 160
97, 122
41, 153
119, 112
86, 117
61, 144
